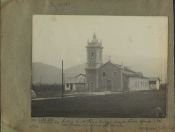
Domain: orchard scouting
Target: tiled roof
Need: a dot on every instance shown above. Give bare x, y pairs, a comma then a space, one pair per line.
81, 78
127, 71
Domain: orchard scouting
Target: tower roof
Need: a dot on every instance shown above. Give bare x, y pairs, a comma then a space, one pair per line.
94, 36
94, 42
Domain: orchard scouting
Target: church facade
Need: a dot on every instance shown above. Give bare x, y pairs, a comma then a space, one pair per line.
109, 76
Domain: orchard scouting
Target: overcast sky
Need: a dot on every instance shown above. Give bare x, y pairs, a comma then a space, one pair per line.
138, 42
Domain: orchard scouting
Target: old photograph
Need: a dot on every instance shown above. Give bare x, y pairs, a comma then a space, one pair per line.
99, 66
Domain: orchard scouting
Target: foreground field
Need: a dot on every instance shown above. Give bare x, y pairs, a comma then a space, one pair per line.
143, 104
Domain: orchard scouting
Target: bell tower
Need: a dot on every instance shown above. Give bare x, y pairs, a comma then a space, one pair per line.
94, 61
94, 53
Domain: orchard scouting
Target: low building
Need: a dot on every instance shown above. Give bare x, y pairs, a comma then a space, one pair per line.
154, 83
138, 83
76, 83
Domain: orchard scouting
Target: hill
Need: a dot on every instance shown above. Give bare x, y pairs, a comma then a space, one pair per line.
48, 74
45, 74
74, 70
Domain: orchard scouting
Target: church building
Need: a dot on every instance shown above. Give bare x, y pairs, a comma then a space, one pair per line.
108, 76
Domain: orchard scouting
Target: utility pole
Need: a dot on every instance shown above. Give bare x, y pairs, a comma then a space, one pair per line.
40, 82
62, 88
122, 69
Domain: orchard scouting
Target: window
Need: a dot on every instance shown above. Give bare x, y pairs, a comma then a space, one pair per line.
152, 82
92, 54
92, 84
104, 74
71, 86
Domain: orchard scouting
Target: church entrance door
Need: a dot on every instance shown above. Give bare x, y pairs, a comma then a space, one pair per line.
109, 85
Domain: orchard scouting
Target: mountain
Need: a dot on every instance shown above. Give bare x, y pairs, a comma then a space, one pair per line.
74, 70
48, 74
45, 74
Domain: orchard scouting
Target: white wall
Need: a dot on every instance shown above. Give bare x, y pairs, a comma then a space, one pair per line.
157, 84
136, 83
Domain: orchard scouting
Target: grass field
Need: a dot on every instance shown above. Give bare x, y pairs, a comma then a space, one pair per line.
140, 104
